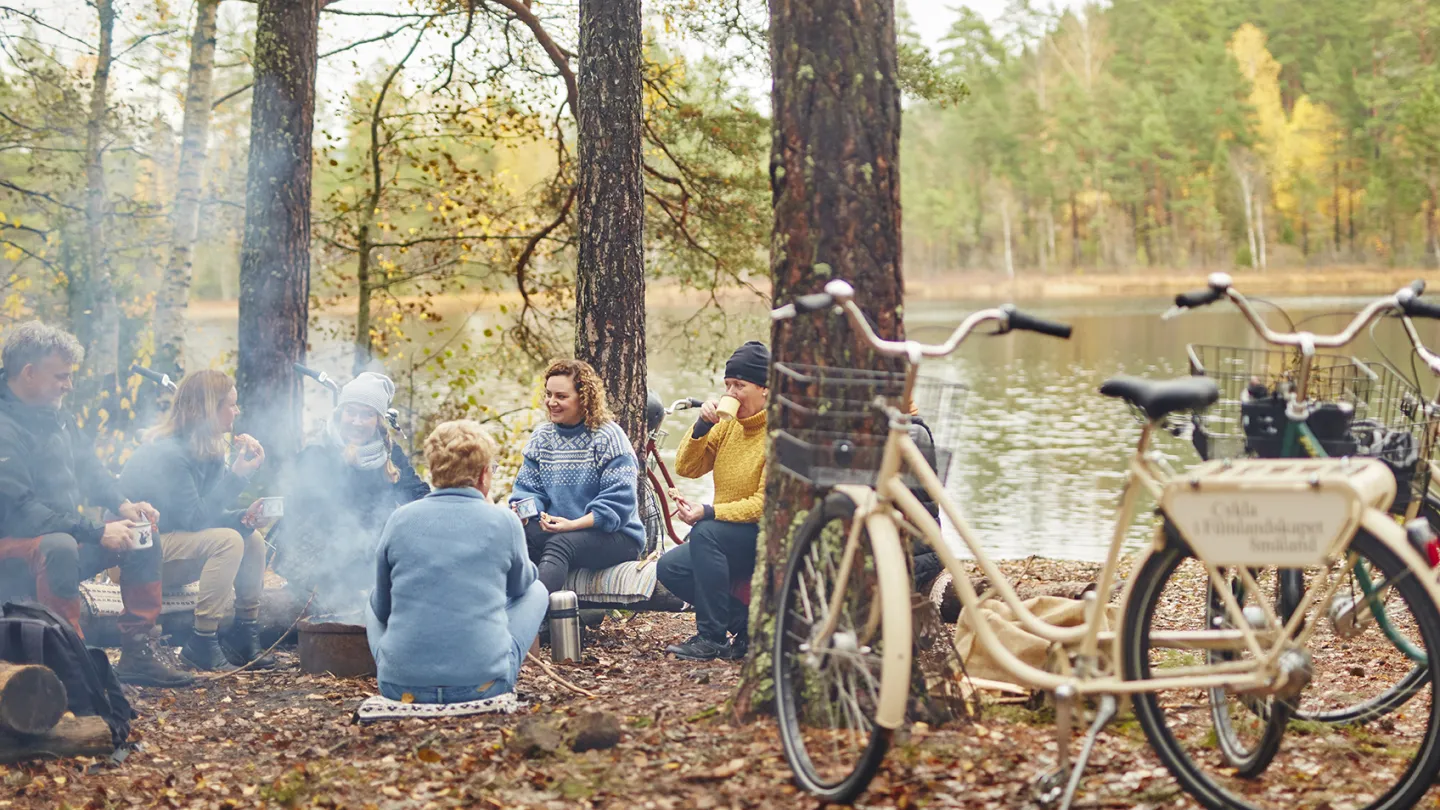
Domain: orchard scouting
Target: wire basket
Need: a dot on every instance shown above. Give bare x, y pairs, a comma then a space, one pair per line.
829, 430
1360, 409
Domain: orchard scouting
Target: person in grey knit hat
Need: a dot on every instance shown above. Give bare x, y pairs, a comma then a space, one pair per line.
342, 489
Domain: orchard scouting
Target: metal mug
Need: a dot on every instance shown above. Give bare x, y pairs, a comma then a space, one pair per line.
143, 536
272, 507
525, 508
564, 626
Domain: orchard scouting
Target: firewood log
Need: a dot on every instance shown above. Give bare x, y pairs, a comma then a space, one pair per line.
32, 698
71, 737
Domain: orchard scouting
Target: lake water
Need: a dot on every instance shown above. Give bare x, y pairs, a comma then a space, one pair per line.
1041, 456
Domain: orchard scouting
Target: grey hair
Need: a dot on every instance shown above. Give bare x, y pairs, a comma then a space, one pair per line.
33, 341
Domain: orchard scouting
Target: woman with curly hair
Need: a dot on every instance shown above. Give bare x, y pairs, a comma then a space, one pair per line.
580, 476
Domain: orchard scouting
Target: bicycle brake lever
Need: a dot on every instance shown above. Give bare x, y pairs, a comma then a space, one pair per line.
1172, 312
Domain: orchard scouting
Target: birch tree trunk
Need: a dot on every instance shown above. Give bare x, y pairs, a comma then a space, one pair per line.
174, 294
610, 277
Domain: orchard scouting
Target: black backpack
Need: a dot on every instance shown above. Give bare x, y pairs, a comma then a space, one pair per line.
31, 633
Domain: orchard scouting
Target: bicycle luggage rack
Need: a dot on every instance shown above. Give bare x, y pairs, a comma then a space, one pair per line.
829, 431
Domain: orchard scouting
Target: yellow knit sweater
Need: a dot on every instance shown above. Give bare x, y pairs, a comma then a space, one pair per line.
735, 451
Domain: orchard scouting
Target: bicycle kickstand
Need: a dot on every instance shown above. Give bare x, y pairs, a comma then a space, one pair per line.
1062, 782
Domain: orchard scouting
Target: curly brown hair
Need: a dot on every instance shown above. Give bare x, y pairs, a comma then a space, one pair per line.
587, 386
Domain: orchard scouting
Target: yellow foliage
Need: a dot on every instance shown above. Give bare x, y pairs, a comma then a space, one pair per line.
1298, 149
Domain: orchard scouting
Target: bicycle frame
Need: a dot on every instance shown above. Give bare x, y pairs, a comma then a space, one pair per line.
883, 509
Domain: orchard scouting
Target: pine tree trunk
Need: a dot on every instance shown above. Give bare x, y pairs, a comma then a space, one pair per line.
275, 253
99, 326
174, 294
610, 278
835, 181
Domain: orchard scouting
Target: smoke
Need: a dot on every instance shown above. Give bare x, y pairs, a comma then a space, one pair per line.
331, 532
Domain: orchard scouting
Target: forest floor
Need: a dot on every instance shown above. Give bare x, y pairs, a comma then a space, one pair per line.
287, 739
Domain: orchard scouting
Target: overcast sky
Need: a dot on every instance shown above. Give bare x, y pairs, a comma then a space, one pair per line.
932, 19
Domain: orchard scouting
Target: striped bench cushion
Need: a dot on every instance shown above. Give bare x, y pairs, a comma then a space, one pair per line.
623, 584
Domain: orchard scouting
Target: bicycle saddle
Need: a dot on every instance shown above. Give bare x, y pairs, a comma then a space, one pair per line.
1160, 397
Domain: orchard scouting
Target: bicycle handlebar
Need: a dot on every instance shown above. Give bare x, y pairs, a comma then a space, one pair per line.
684, 404
318, 376
160, 379
841, 293
1030, 323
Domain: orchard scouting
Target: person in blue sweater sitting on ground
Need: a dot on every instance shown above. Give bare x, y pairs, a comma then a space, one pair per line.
577, 485
456, 603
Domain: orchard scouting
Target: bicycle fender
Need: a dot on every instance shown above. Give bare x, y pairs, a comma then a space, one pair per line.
894, 578
1392, 534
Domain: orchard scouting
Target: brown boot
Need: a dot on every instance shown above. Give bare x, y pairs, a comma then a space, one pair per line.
142, 663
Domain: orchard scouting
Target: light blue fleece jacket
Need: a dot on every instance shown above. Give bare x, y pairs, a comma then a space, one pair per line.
572, 471
446, 566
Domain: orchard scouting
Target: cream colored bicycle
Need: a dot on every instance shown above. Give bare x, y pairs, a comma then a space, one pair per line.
1186, 628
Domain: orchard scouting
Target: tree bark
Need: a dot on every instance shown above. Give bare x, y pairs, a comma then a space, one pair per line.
32, 699
174, 294
835, 182
275, 252
610, 278
71, 737
99, 324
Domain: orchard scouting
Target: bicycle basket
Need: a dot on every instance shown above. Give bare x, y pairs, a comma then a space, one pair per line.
1361, 409
829, 430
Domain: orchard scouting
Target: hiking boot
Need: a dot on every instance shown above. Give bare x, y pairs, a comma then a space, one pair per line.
592, 617
686, 643
142, 664
698, 649
241, 645
736, 650
203, 652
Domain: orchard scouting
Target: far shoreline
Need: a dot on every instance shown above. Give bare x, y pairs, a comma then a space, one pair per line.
970, 286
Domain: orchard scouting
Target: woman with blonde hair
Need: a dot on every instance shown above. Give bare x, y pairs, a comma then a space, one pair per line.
456, 603
577, 484
192, 476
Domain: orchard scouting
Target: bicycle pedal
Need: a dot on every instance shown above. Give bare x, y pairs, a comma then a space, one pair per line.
1047, 788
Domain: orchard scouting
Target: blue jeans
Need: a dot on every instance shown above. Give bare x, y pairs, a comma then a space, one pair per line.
524, 614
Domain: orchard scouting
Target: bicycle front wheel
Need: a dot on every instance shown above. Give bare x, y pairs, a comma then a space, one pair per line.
826, 693
1385, 766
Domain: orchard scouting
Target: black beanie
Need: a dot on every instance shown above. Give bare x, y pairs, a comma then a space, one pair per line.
750, 363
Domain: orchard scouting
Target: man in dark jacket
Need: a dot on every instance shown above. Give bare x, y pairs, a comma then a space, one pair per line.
48, 471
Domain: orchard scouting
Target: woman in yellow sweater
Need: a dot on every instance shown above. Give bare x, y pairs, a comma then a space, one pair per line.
721, 545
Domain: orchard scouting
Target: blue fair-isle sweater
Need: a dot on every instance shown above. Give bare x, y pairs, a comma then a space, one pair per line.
572, 471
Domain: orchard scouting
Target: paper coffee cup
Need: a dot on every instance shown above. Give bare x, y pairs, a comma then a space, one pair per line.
729, 407
272, 507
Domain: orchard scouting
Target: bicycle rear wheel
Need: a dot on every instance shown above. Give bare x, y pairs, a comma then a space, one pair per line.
825, 698
1385, 766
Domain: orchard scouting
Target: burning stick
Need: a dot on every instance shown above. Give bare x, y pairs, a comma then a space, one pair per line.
248, 664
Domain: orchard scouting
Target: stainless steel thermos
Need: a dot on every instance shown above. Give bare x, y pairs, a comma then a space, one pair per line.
564, 626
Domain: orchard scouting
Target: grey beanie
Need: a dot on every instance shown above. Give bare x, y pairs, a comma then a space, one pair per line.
369, 389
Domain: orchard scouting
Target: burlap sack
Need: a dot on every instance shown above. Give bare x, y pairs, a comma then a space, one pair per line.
1026, 646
